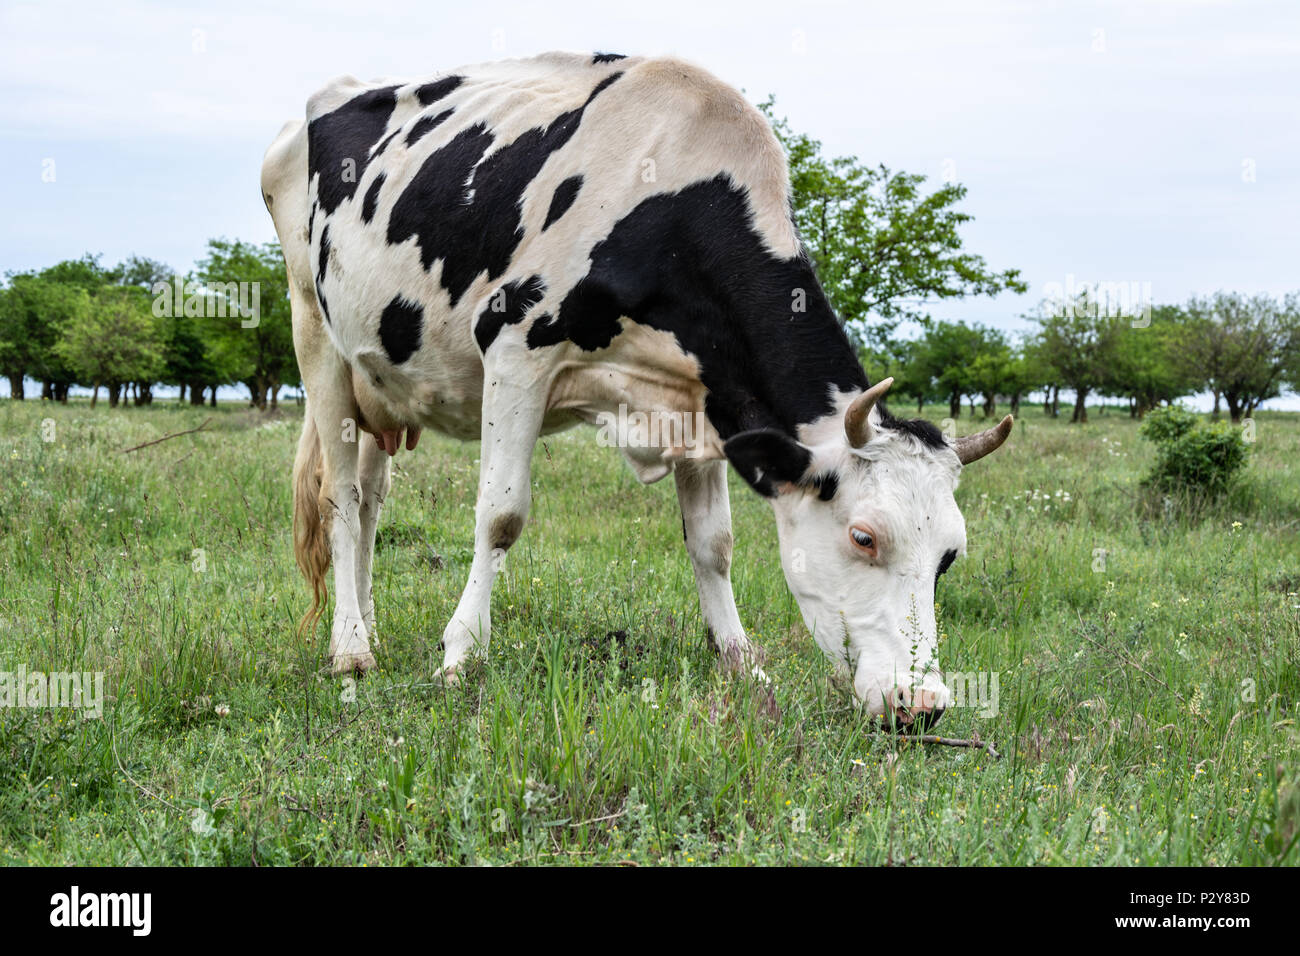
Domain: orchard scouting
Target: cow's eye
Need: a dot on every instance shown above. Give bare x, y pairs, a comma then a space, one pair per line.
863, 540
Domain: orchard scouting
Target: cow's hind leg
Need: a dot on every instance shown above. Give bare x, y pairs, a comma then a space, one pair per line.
706, 525
375, 481
512, 420
327, 487
340, 499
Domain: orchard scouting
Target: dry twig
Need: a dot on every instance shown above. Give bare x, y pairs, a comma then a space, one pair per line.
188, 431
975, 744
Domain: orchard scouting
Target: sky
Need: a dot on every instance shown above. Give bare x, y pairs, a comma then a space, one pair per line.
1154, 142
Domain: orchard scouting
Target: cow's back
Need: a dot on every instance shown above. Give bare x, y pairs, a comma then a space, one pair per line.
440, 214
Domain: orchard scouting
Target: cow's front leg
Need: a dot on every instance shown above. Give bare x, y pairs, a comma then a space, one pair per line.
706, 524
512, 420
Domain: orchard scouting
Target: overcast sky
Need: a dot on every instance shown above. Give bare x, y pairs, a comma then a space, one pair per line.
1147, 141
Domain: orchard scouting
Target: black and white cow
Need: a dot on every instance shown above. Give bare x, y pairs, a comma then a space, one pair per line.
509, 249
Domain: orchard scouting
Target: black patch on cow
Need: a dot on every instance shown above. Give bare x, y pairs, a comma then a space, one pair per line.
311, 222
426, 123
766, 457
320, 297
346, 133
434, 200
565, 194
690, 263
400, 328
607, 57
324, 260
430, 93
481, 234
944, 564
927, 433
827, 483
371, 200
508, 305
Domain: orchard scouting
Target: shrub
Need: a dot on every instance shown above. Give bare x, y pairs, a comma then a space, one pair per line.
1168, 424
1191, 455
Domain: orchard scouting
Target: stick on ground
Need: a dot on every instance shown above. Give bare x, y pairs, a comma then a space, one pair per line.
954, 742
188, 431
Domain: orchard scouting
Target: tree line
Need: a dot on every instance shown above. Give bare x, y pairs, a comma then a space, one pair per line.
129, 327
1241, 349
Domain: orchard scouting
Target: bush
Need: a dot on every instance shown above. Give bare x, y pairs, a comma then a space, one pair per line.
1192, 456
1168, 424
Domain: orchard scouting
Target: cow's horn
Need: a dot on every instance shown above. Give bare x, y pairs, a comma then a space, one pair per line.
974, 447
857, 420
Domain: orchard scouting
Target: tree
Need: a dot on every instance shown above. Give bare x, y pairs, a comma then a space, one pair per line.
139, 272
1025, 372
900, 359
1076, 339
254, 349
989, 370
1147, 365
959, 360
1243, 347
34, 308
882, 248
113, 341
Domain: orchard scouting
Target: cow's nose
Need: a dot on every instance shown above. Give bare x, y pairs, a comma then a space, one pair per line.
913, 708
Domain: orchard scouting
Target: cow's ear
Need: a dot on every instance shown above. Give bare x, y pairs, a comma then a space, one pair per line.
768, 459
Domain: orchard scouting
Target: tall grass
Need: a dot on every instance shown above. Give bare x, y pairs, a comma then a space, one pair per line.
1146, 659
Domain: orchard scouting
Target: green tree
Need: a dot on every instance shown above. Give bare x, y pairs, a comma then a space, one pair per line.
959, 360
1244, 347
900, 359
882, 247
1076, 339
256, 350
114, 341
1147, 364
142, 273
989, 370
34, 309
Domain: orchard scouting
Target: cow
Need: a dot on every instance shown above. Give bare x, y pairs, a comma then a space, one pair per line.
509, 249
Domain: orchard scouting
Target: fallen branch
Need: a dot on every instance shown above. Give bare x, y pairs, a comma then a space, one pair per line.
188, 431
605, 819
975, 744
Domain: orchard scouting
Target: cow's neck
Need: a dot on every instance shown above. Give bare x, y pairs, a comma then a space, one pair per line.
755, 320
793, 368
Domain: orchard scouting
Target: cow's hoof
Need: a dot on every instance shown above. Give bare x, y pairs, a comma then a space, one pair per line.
741, 657
343, 665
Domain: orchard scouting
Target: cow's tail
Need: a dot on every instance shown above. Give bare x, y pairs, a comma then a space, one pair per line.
310, 530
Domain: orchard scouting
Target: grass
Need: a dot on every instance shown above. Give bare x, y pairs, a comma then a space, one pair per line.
1146, 662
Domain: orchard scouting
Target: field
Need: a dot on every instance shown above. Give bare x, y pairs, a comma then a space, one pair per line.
1147, 663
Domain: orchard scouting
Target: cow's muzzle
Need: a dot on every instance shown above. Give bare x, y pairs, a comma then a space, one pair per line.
912, 709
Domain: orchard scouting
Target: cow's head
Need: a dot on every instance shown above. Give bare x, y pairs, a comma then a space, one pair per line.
867, 523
